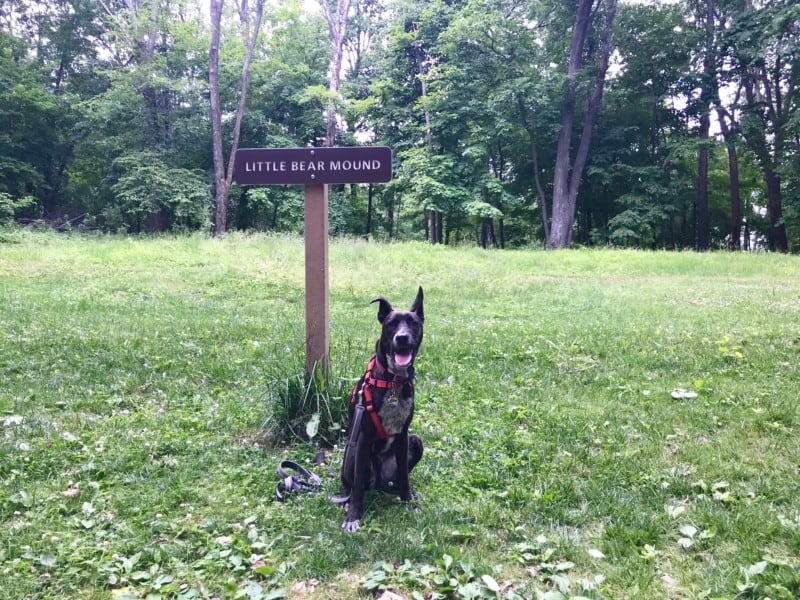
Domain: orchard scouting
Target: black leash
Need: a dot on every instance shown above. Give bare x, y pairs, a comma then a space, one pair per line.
295, 478
301, 480
350, 450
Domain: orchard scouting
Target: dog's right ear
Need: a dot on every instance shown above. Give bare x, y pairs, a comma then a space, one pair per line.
384, 308
417, 306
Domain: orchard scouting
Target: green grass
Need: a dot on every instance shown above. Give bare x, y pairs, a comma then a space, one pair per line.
140, 381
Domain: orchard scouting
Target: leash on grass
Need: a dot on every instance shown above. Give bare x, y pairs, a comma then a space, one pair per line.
294, 478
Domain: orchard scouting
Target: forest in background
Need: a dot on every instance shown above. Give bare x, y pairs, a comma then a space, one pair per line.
557, 123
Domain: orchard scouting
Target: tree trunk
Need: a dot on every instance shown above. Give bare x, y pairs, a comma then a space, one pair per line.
733, 174
337, 27
563, 213
431, 233
757, 140
567, 175
702, 221
707, 85
370, 194
223, 175
221, 190
778, 239
434, 226
528, 125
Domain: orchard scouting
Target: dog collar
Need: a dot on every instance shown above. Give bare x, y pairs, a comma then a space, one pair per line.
375, 377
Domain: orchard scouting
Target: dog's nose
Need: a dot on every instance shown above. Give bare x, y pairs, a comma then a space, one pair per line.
401, 339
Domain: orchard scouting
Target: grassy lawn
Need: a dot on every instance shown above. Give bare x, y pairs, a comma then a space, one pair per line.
604, 424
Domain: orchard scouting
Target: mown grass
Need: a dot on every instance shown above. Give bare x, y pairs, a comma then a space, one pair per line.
611, 424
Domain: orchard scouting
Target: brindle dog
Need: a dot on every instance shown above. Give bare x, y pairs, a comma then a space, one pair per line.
380, 452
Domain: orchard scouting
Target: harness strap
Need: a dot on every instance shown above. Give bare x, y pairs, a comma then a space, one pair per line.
376, 418
370, 381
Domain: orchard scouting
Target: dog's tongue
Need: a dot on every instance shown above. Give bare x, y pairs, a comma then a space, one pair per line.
402, 360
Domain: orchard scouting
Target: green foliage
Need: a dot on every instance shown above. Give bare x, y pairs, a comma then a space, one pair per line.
272, 208
10, 207
431, 182
148, 189
467, 94
27, 110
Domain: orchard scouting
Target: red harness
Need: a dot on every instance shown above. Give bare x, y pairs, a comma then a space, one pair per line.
373, 378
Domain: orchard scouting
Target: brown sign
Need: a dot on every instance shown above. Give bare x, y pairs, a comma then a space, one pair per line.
310, 166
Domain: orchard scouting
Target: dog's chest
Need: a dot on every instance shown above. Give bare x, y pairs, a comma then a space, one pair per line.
394, 412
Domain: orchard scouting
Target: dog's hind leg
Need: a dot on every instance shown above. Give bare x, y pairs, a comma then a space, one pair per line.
414, 451
401, 455
387, 475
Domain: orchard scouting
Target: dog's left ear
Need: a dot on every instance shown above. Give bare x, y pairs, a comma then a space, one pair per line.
384, 308
417, 306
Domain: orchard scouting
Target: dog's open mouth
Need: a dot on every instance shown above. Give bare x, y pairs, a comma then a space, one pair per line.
402, 359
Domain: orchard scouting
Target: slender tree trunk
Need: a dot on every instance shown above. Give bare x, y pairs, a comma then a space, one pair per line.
778, 239
708, 82
337, 28
702, 221
746, 242
431, 217
370, 194
221, 190
528, 125
223, 175
539, 188
736, 200
728, 134
567, 174
434, 226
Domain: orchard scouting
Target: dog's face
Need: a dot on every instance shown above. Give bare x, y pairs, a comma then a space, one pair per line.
401, 334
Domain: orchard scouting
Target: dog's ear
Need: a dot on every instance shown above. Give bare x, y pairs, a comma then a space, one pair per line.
384, 308
417, 306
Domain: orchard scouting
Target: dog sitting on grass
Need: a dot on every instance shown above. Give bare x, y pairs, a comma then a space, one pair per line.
380, 452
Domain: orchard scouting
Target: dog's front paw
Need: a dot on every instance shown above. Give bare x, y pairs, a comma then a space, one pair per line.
351, 526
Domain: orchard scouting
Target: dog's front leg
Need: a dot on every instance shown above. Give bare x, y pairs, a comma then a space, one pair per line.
401, 455
355, 509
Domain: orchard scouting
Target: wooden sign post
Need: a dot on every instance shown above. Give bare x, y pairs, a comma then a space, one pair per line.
318, 334
314, 168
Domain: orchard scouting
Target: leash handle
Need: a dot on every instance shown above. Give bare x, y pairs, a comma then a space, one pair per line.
302, 480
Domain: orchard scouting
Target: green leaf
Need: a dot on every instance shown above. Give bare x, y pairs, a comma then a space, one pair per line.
491, 583
47, 560
265, 570
22, 498
253, 590
447, 560
756, 569
312, 427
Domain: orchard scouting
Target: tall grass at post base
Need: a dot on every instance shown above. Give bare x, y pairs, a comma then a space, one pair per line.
304, 408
